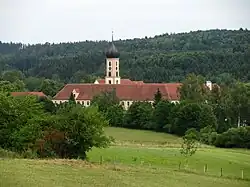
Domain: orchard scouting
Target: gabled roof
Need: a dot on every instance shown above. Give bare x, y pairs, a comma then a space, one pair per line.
40, 94
134, 92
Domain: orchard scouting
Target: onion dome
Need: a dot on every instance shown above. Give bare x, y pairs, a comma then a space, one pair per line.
112, 52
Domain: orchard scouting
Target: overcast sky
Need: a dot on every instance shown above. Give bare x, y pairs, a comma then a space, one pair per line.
40, 21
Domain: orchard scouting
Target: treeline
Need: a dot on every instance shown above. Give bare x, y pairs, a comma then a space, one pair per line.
163, 58
15, 81
215, 115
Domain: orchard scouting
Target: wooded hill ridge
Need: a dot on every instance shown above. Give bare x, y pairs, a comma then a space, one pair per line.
213, 54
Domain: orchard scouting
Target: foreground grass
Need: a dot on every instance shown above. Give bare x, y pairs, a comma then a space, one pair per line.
48, 173
138, 158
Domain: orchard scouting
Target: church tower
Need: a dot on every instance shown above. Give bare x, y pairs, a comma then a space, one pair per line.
112, 65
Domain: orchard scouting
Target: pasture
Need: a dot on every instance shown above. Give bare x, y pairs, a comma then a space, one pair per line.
137, 158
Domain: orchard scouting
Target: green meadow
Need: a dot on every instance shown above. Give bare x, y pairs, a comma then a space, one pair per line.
136, 158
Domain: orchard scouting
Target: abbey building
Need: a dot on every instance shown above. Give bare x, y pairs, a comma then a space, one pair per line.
126, 90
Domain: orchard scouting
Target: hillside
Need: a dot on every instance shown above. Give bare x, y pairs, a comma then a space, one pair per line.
163, 58
132, 165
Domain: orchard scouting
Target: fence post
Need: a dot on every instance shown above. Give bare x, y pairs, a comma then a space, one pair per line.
221, 172
101, 159
114, 163
205, 168
242, 174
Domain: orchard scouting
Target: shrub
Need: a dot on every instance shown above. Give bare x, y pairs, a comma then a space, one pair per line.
234, 138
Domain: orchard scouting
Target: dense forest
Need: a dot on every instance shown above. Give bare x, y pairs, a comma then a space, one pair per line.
214, 54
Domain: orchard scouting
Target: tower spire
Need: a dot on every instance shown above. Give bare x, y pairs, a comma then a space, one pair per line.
112, 35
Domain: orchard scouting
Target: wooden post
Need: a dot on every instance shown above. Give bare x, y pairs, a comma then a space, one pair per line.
242, 174
101, 159
205, 168
221, 172
114, 163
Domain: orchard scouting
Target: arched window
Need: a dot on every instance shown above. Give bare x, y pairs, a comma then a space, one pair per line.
117, 81
109, 63
117, 74
109, 74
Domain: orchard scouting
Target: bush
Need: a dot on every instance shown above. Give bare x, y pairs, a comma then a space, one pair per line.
205, 134
8, 154
74, 133
234, 138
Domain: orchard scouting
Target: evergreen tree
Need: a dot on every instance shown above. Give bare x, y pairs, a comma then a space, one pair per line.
157, 97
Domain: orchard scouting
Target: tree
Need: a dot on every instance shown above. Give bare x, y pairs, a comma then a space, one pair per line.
157, 97
81, 129
240, 101
33, 83
50, 87
12, 76
105, 100
15, 113
6, 86
162, 116
47, 104
193, 115
189, 145
193, 89
72, 99
139, 116
115, 115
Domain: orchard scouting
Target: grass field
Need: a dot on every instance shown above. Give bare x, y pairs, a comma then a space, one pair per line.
138, 158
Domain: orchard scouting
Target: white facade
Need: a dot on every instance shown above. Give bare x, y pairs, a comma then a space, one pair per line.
125, 103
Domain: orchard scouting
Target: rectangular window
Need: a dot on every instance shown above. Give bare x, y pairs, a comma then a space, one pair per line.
109, 63
117, 74
117, 82
109, 81
109, 74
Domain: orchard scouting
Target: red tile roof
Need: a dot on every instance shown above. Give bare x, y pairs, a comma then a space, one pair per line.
123, 81
134, 92
40, 94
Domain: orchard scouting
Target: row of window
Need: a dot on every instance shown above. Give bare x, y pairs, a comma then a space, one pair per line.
116, 73
117, 82
79, 102
116, 68
111, 63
